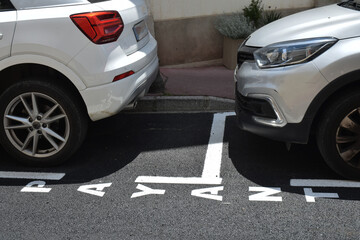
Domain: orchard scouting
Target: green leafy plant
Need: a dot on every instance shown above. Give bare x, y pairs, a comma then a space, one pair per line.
271, 16
241, 25
234, 26
254, 12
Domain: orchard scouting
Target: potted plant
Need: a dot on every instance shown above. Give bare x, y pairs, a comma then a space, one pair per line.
238, 26
235, 28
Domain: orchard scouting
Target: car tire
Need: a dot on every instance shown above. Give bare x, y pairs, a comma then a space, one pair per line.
41, 123
338, 135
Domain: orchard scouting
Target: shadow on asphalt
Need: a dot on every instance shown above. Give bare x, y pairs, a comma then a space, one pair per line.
268, 163
113, 143
265, 160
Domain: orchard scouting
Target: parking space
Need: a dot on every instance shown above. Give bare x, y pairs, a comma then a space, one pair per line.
179, 176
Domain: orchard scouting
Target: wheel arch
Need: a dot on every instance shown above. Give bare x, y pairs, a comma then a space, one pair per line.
16, 73
339, 86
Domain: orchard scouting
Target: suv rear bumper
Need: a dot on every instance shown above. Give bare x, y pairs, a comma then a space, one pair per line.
109, 99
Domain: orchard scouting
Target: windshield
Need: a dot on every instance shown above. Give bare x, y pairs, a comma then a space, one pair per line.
352, 4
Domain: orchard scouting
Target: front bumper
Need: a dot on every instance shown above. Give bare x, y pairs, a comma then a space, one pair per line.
288, 91
291, 132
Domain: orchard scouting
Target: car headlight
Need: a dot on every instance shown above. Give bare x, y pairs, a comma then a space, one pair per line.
292, 52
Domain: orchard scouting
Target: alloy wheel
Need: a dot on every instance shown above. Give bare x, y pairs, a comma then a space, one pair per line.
348, 138
36, 125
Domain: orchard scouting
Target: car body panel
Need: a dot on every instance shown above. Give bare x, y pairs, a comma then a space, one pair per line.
340, 59
282, 85
109, 99
32, 4
99, 65
44, 61
329, 21
7, 28
51, 33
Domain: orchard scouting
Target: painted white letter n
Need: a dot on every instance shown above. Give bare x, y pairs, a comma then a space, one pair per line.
264, 194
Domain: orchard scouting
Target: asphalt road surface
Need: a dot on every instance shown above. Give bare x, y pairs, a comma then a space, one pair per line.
178, 176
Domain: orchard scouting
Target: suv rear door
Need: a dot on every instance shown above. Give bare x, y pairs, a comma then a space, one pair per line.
7, 27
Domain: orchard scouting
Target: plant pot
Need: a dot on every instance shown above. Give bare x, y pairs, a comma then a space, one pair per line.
230, 50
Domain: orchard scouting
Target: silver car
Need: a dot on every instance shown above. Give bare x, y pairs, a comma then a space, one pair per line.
301, 75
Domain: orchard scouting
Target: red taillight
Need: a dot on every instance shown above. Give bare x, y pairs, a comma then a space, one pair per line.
122, 76
99, 27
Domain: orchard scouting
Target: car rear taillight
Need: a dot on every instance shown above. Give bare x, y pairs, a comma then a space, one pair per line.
99, 27
122, 76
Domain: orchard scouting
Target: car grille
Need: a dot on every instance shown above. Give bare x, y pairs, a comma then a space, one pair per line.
245, 53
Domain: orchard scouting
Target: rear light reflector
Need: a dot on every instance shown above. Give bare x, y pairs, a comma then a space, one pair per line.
100, 27
122, 76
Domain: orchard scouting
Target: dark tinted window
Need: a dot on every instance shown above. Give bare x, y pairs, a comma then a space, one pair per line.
6, 5
352, 4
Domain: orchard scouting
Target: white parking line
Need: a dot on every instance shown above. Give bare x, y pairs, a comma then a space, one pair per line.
324, 183
212, 164
178, 180
32, 175
213, 157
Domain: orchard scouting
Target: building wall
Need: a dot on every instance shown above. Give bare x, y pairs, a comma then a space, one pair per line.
185, 29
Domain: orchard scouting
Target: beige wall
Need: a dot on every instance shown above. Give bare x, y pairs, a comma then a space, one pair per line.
185, 29
188, 40
178, 9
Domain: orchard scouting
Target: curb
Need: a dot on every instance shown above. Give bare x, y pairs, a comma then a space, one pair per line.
184, 104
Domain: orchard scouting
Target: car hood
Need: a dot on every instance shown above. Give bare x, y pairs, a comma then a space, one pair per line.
330, 21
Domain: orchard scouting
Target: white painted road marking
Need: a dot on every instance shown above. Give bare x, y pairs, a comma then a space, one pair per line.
264, 194
209, 193
94, 189
212, 164
324, 183
178, 180
39, 189
147, 191
32, 175
310, 195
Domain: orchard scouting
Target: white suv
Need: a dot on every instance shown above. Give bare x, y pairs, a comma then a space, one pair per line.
301, 75
63, 62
